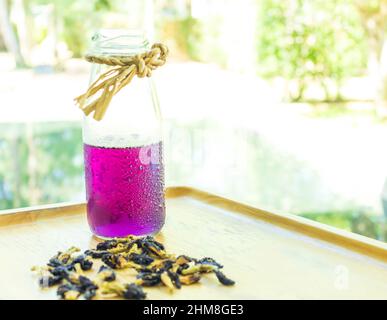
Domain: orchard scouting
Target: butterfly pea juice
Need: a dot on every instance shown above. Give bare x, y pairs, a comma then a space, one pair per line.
124, 189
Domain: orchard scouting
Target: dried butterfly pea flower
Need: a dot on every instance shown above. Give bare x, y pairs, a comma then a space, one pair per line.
161, 265
183, 259
124, 248
114, 261
153, 247
194, 268
190, 279
68, 292
77, 264
134, 248
109, 288
209, 261
61, 271
77, 285
126, 291
125, 245
49, 281
170, 279
90, 294
41, 270
128, 246
54, 262
167, 281
76, 281
64, 257
141, 259
131, 250
203, 268
223, 279
67, 260
118, 261
84, 261
175, 268
87, 287
48, 277
151, 241
133, 291
120, 248
144, 270
105, 245
95, 254
180, 268
174, 278
106, 274
85, 283
148, 279
73, 278
131, 264
110, 244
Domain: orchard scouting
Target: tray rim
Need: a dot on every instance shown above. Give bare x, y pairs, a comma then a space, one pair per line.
351, 241
348, 240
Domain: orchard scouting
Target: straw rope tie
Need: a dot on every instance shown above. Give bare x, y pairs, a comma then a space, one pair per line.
124, 68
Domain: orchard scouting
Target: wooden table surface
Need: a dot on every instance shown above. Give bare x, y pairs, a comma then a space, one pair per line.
269, 256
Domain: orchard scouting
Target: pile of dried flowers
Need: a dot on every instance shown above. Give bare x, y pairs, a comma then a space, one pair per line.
148, 257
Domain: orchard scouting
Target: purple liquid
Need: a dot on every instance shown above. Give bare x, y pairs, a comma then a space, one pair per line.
124, 190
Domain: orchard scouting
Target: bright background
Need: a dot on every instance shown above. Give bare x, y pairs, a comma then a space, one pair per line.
277, 103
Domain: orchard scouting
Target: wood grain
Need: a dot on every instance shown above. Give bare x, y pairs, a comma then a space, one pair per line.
268, 255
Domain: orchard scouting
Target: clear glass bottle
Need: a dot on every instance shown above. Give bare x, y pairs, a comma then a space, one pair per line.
124, 170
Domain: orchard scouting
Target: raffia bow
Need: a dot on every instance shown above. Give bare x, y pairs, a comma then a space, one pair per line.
99, 94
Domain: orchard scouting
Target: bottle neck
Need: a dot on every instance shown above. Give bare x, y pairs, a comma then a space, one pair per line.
118, 42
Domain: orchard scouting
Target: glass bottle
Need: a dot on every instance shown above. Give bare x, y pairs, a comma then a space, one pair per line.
124, 170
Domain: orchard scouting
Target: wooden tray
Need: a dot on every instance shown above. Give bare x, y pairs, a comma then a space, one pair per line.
268, 255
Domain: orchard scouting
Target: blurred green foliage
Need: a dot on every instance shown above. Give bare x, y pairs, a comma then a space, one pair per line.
311, 41
186, 32
195, 39
363, 222
24, 181
340, 220
319, 42
74, 20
